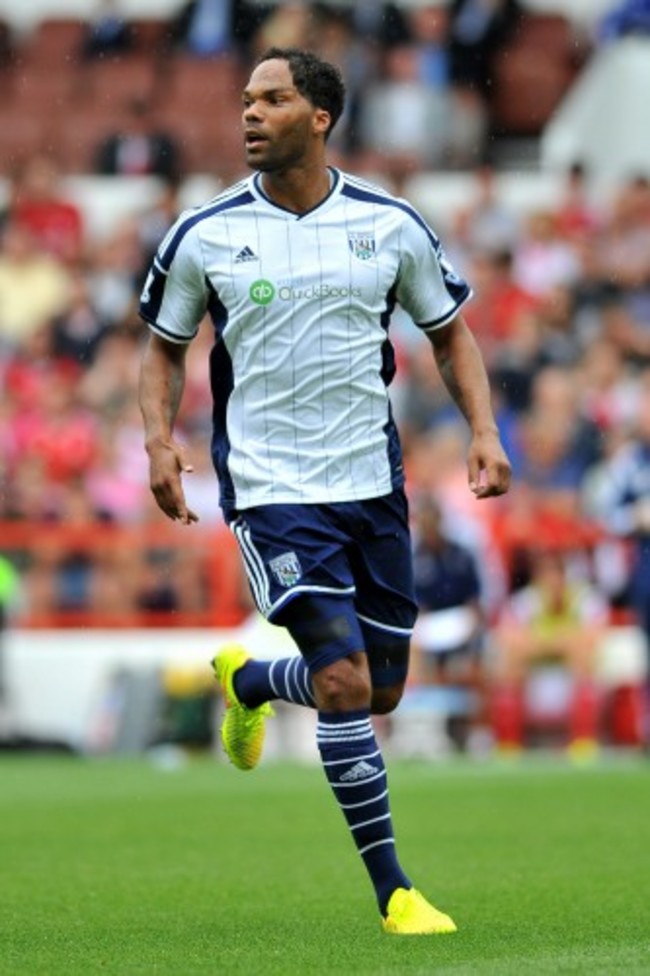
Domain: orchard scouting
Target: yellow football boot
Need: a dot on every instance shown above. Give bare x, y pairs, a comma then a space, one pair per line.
409, 913
243, 729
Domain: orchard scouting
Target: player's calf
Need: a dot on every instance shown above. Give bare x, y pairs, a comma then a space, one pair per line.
386, 700
344, 685
388, 660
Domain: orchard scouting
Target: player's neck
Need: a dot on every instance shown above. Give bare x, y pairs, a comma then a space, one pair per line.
300, 189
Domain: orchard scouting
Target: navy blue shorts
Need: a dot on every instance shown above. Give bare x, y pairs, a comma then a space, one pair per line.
357, 550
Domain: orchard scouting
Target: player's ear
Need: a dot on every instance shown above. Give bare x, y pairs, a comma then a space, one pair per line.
322, 121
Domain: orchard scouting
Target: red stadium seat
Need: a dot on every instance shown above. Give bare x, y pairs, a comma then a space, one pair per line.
80, 135
54, 42
533, 73
150, 35
37, 90
205, 84
210, 139
116, 81
22, 136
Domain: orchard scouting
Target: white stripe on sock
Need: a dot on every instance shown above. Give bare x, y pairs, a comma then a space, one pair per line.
369, 847
363, 803
271, 681
365, 823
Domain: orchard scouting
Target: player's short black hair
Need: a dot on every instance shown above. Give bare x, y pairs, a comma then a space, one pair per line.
320, 82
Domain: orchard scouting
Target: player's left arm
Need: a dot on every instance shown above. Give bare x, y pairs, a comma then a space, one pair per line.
463, 372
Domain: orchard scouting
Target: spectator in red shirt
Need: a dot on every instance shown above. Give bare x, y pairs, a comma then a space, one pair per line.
58, 429
576, 216
500, 303
55, 223
556, 616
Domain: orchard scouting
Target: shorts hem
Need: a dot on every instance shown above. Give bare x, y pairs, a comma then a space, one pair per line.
390, 628
298, 590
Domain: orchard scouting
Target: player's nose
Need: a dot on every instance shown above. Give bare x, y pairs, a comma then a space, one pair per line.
252, 112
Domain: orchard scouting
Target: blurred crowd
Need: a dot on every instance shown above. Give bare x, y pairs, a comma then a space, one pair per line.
561, 310
429, 85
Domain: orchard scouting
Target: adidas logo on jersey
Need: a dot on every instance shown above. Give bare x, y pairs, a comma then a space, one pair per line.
246, 254
362, 770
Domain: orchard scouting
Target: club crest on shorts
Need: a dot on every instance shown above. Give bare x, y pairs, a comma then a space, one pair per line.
286, 568
362, 245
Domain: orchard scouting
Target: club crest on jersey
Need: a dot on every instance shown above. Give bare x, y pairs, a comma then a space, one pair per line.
362, 245
286, 568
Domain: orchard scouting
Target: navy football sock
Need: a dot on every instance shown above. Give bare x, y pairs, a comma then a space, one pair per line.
355, 770
261, 681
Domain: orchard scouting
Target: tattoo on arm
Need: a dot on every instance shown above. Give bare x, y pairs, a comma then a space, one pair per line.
463, 372
162, 380
449, 378
176, 385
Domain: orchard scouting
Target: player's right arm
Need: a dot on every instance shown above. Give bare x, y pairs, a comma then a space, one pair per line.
162, 379
173, 302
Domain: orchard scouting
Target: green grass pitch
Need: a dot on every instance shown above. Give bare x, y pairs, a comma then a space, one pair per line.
123, 867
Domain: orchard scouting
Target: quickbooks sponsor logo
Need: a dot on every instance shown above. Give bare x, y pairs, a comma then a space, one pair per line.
288, 294
262, 292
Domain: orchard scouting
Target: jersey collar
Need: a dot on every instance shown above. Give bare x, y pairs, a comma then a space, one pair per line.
335, 186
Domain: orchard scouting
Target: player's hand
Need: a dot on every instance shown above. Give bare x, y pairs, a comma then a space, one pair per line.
488, 467
167, 461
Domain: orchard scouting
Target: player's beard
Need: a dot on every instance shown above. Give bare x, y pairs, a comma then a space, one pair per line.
282, 154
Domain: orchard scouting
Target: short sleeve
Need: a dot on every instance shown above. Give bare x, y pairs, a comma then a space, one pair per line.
428, 287
175, 295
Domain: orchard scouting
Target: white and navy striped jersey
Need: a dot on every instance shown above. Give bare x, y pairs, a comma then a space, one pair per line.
301, 305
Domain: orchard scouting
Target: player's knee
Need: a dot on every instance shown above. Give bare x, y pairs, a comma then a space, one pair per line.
342, 686
385, 700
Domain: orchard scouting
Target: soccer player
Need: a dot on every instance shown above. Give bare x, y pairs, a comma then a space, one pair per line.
300, 266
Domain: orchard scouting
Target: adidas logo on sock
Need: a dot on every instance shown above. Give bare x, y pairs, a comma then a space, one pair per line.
362, 770
246, 254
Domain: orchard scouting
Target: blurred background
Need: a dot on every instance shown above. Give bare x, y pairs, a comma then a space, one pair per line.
521, 130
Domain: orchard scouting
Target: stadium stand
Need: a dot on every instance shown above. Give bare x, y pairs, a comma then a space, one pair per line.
71, 571
50, 83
